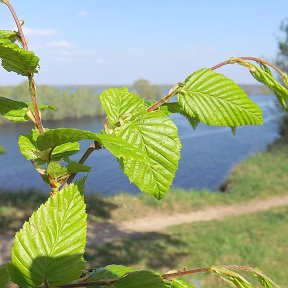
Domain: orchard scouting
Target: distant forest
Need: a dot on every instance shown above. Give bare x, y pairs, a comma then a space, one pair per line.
83, 101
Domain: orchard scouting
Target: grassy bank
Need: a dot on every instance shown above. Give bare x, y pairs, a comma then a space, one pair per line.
258, 240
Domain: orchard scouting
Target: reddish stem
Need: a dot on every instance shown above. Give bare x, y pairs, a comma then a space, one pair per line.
18, 24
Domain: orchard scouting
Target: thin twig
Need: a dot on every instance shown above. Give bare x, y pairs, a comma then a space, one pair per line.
32, 86
85, 284
221, 64
164, 99
170, 276
94, 146
36, 112
18, 24
258, 60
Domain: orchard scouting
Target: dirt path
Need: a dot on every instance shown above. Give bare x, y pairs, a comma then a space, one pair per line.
107, 232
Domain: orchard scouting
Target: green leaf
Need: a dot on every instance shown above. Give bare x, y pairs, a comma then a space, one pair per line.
110, 272
121, 148
231, 277
17, 59
216, 100
16, 111
9, 34
174, 107
4, 277
119, 103
55, 170
81, 184
65, 150
156, 137
117, 146
262, 76
180, 283
75, 167
27, 145
45, 107
13, 110
140, 279
264, 280
49, 248
2, 150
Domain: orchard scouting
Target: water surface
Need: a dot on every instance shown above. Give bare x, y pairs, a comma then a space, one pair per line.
207, 156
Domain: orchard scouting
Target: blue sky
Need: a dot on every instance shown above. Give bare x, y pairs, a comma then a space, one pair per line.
118, 42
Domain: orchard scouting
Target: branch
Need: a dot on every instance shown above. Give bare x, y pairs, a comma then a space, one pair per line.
172, 92
86, 284
94, 146
18, 24
36, 112
170, 276
32, 85
232, 60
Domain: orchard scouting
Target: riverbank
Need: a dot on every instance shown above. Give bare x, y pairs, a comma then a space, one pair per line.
235, 230
261, 176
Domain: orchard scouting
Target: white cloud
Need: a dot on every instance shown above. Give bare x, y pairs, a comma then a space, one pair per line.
83, 13
38, 32
60, 44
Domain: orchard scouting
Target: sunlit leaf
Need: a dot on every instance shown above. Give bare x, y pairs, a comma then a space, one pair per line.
140, 279
119, 103
50, 246
65, 150
231, 277
174, 107
110, 272
157, 138
180, 283
13, 110
17, 59
9, 34
216, 100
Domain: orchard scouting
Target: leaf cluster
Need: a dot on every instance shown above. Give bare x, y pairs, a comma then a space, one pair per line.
48, 250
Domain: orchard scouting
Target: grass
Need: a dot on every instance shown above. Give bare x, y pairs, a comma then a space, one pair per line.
258, 240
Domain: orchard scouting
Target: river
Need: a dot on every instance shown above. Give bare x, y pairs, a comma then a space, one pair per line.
207, 156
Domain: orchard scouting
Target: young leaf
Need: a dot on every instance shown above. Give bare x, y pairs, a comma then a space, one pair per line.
9, 34
27, 145
231, 277
17, 59
267, 79
49, 248
4, 276
65, 150
156, 137
55, 170
140, 279
16, 111
180, 283
216, 100
117, 146
2, 150
81, 184
264, 280
119, 102
13, 110
110, 272
174, 107
75, 167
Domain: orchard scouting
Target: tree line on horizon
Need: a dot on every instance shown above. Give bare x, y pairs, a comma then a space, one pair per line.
84, 100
